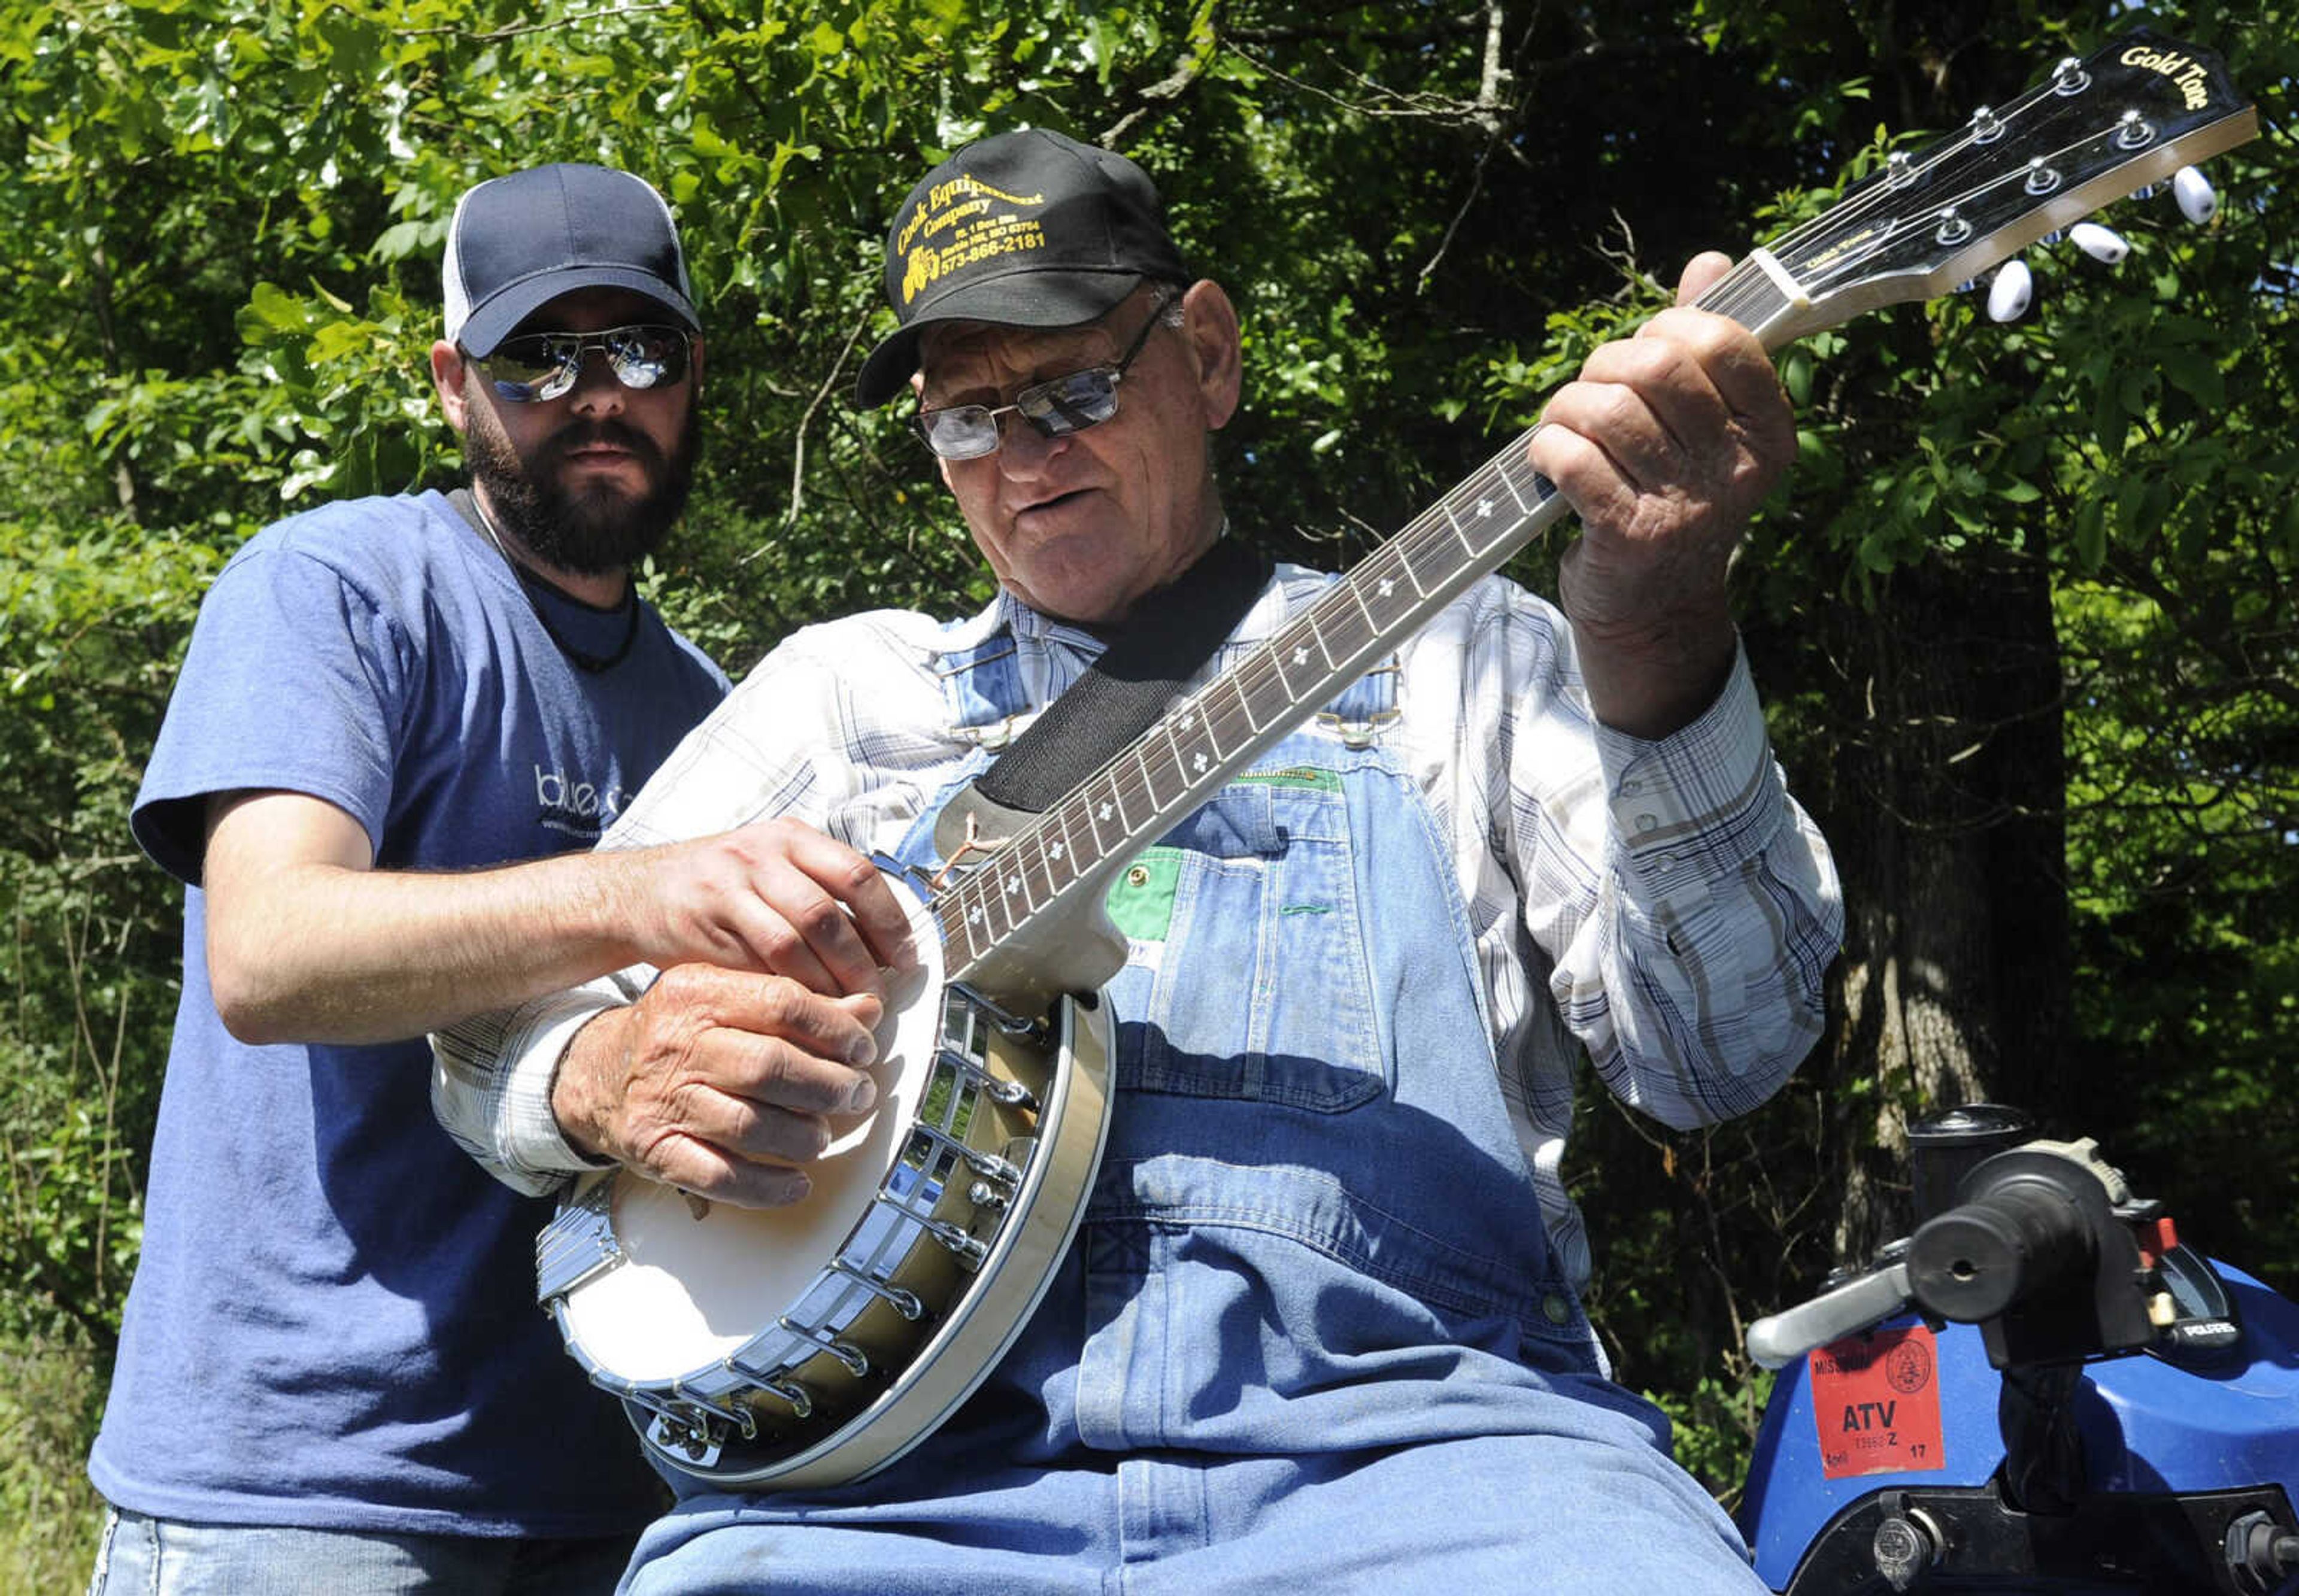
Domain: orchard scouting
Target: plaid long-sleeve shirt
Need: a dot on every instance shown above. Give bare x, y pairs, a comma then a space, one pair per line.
1662, 904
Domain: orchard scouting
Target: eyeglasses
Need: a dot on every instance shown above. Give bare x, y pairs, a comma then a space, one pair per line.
536, 368
1057, 407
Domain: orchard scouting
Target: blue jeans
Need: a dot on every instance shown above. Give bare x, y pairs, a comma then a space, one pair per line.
154, 1557
1588, 1509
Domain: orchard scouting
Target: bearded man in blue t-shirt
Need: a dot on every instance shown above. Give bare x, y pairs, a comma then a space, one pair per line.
332, 1376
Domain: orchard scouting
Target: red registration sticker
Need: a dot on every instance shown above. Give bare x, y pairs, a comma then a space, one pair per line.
1875, 1400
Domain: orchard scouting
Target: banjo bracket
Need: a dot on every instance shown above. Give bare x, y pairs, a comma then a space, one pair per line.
577, 1245
1035, 1031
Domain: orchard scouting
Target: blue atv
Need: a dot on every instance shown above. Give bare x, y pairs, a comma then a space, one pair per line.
2040, 1390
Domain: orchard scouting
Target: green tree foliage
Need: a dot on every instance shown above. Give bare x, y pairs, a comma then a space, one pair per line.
2025, 613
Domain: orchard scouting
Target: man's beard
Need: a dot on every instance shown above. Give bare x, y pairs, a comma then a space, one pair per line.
598, 528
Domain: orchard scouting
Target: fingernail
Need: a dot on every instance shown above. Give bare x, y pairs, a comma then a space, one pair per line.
865, 1093
863, 1050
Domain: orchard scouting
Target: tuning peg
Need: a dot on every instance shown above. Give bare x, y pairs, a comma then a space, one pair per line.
2009, 295
2052, 237
2198, 202
2101, 244
2145, 191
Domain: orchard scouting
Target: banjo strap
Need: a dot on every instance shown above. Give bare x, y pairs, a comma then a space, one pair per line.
1159, 647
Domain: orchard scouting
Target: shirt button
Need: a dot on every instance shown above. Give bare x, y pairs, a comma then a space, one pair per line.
1632, 788
1647, 822
1556, 1310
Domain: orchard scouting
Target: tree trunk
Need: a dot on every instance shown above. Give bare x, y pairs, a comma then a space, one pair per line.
1946, 819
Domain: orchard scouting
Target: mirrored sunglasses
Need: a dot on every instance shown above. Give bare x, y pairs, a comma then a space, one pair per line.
536, 368
1057, 407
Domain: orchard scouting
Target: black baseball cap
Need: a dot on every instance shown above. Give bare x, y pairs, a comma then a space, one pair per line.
1029, 228
520, 240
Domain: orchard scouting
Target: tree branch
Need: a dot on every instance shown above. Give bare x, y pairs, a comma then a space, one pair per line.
515, 30
797, 448
1171, 86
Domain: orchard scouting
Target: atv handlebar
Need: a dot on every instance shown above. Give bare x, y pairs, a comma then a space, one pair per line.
2039, 1253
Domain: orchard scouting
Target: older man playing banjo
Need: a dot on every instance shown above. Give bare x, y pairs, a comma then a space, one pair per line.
1318, 1322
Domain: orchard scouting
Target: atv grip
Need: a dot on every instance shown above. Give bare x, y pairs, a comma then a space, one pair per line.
1981, 1257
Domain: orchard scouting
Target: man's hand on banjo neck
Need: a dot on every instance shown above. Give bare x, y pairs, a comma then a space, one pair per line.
720, 1079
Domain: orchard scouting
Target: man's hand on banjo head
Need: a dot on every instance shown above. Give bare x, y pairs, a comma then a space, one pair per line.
776, 897
721, 1083
722, 1079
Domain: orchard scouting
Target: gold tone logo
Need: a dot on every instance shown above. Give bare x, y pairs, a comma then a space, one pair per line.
2186, 74
1828, 258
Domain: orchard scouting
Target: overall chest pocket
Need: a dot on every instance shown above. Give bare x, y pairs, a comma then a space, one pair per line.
1247, 977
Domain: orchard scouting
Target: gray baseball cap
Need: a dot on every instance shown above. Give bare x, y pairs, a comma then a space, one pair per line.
518, 241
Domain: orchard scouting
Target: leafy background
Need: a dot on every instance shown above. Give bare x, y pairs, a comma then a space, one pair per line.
2024, 615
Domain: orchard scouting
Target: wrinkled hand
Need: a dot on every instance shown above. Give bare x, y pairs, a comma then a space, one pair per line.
1665, 446
776, 897
719, 1082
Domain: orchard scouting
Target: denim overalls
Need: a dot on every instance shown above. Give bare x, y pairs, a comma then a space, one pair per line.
1310, 1333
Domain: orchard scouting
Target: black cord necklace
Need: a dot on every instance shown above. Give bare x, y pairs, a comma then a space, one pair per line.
534, 587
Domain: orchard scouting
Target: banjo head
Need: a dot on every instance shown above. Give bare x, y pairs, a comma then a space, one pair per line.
692, 1291
815, 1343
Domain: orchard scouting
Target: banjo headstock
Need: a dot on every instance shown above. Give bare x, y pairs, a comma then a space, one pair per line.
2126, 117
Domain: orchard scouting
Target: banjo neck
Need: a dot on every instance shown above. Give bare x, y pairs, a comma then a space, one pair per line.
1022, 916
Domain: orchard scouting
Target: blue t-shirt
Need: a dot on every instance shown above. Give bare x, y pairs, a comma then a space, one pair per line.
332, 1323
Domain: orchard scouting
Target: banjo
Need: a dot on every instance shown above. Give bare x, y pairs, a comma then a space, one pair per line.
813, 1345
